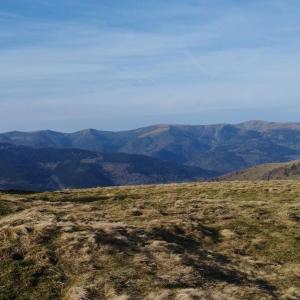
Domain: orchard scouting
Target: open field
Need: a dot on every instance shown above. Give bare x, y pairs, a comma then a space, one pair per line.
223, 240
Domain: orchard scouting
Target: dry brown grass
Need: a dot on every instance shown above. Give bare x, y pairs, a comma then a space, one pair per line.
232, 240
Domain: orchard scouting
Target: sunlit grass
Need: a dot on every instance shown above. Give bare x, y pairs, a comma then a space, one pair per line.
236, 240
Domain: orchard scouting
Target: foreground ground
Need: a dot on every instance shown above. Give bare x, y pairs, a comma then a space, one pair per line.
231, 240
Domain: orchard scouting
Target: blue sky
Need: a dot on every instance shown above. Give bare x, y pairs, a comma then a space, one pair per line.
72, 64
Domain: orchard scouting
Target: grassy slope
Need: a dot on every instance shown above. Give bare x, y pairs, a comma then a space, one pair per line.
232, 240
273, 171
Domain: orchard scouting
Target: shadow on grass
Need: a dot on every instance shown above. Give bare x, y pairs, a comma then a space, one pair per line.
209, 267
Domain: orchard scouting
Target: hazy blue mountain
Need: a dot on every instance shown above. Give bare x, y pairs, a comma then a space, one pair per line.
26, 168
221, 148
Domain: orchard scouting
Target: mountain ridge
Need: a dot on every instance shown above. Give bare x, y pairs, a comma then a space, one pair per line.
251, 124
221, 148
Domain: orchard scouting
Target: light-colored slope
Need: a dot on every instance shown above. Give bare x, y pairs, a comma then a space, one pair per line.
274, 171
190, 241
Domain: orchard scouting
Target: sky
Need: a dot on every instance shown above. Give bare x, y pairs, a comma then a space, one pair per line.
115, 65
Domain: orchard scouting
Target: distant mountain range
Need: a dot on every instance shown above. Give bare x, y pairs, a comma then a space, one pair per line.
274, 171
26, 168
219, 148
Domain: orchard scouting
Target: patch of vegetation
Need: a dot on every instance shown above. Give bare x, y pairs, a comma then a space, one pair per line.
8, 207
230, 240
31, 273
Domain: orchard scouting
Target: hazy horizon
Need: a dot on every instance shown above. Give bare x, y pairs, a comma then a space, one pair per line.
126, 127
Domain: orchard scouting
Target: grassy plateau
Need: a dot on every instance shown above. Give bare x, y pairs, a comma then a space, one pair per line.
218, 240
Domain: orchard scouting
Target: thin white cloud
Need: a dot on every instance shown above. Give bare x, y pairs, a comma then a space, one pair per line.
227, 59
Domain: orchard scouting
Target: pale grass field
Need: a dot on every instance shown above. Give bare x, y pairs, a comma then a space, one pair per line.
231, 240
